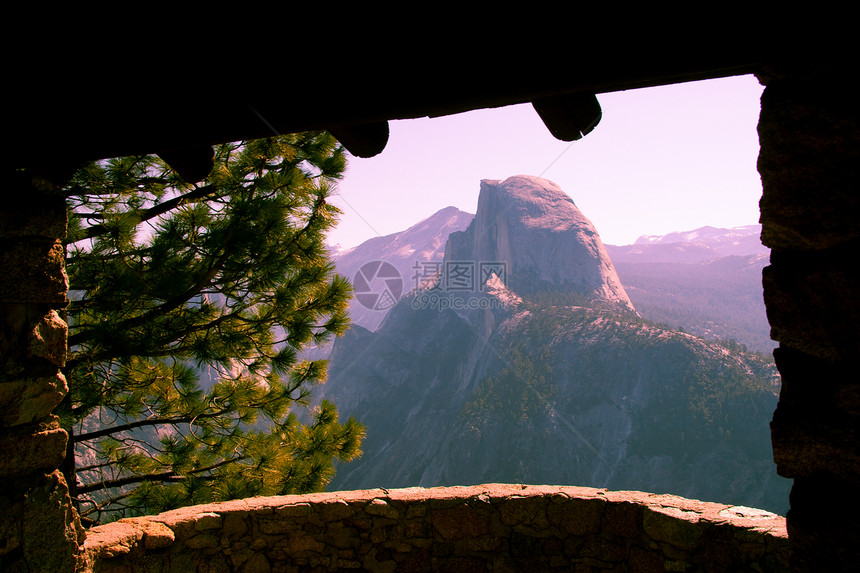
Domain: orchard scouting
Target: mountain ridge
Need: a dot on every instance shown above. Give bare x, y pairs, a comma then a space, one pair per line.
689, 285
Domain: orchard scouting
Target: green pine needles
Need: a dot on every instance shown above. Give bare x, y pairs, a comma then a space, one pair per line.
190, 306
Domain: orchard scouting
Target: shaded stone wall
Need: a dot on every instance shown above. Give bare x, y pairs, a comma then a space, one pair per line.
471, 529
810, 214
39, 531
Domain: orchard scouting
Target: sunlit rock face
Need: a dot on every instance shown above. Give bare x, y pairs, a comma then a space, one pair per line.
546, 242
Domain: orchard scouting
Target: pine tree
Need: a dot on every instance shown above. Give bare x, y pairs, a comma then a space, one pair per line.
190, 306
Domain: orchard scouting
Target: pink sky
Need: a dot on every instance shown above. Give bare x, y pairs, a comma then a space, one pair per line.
664, 159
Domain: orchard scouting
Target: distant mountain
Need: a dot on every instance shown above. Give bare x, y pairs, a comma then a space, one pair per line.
744, 240
678, 283
541, 372
406, 251
707, 281
685, 253
696, 246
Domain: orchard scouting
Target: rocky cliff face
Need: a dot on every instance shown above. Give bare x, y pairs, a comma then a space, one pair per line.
548, 377
545, 241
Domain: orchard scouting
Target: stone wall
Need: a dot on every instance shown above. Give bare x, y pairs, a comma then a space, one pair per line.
39, 530
471, 529
809, 131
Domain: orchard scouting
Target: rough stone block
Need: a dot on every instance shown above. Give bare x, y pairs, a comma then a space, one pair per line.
33, 272
674, 526
202, 541
235, 524
257, 562
157, 536
381, 508
815, 428
207, 521
32, 448
809, 164
335, 510
300, 544
52, 534
48, 339
129, 532
31, 214
645, 561
294, 510
28, 401
278, 526
528, 511
807, 445
29, 334
459, 522
812, 304
622, 520
578, 517
10, 526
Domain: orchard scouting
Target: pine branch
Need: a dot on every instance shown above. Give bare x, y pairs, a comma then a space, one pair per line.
144, 423
94, 466
99, 506
194, 290
156, 210
169, 304
168, 476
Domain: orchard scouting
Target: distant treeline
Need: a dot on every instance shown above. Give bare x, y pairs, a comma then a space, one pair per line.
720, 300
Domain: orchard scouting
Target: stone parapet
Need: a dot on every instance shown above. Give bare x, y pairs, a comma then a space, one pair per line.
809, 131
478, 528
39, 529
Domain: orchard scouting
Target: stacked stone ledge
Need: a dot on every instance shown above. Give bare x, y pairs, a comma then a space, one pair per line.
478, 528
809, 131
39, 530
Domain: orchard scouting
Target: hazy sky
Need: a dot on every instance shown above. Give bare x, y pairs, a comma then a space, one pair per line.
663, 159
